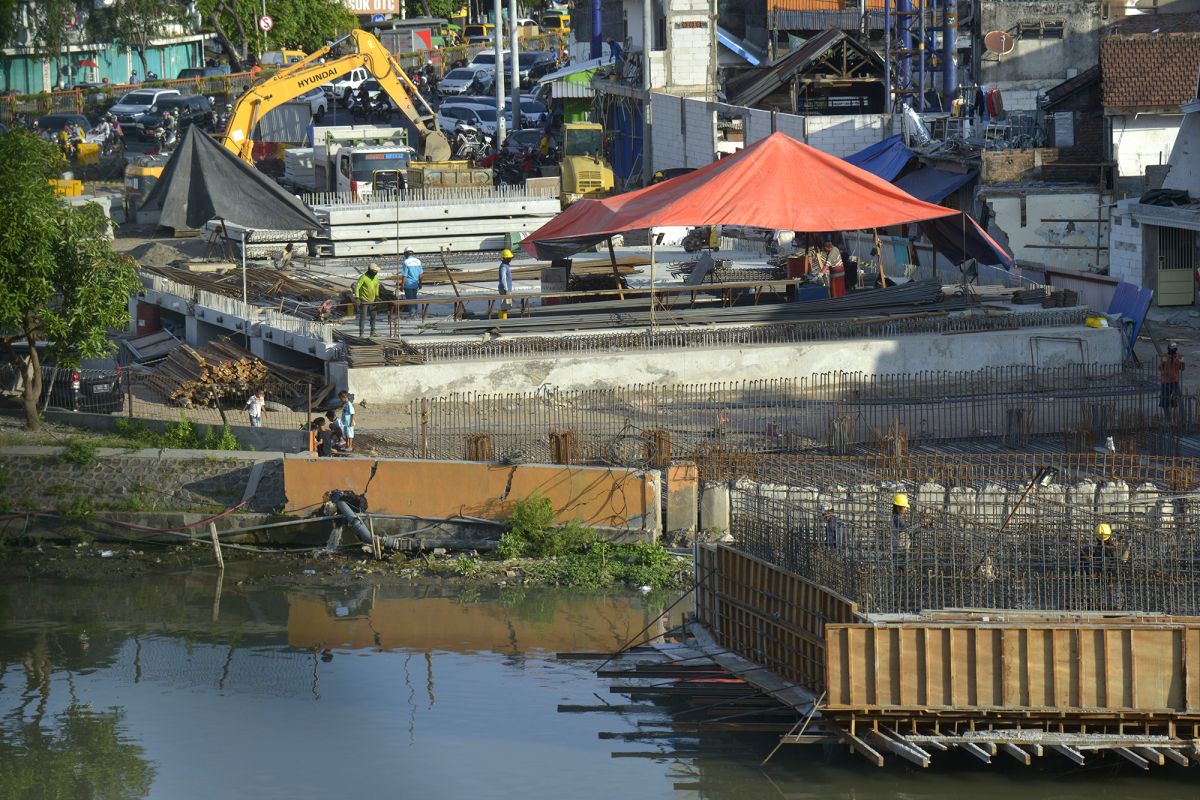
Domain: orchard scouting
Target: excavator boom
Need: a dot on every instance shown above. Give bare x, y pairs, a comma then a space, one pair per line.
293, 81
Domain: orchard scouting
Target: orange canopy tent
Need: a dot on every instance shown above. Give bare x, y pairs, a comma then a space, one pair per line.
777, 183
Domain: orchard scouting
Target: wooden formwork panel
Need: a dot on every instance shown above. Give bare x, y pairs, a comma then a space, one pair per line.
766, 614
1018, 666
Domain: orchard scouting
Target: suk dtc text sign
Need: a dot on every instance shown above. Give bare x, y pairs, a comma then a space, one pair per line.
373, 6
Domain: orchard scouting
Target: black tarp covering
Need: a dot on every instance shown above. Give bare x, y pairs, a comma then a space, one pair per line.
204, 181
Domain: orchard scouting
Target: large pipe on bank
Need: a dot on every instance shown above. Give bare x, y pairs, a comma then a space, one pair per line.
350, 517
597, 38
949, 50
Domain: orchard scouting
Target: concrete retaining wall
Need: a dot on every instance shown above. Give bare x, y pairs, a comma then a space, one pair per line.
284, 440
144, 480
598, 496
1042, 347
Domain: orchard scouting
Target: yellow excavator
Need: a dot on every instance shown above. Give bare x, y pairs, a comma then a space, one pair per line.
309, 73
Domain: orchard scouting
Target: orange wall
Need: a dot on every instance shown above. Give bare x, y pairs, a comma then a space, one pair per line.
576, 624
600, 496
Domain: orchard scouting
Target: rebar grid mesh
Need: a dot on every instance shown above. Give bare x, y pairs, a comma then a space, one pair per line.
826, 413
1048, 560
775, 333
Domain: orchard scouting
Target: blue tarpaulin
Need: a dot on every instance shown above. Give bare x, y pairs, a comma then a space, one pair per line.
885, 159
932, 185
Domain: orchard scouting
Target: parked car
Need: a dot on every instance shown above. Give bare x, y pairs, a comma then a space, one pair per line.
531, 109
317, 102
194, 110
94, 386
484, 119
53, 123
138, 102
487, 58
520, 141
459, 81
544, 61
341, 89
202, 72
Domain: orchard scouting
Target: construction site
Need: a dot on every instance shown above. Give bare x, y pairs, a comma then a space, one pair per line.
941, 500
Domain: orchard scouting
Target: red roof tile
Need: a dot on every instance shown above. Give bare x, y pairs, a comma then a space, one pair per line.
1150, 70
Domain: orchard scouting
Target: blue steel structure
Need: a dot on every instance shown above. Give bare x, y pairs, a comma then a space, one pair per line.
934, 46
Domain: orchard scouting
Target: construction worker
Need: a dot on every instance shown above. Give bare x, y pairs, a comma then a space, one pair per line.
835, 529
1170, 372
504, 281
899, 521
411, 271
366, 292
1104, 553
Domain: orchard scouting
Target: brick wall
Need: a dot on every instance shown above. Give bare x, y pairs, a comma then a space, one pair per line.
843, 134
700, 127
667, 131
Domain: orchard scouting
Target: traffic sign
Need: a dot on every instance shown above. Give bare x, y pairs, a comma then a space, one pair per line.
265, 23
378, 17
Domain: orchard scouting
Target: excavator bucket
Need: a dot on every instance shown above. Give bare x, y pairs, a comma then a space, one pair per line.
435, 146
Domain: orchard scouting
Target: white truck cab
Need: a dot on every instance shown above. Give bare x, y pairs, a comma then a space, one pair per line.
366, 169
343, 87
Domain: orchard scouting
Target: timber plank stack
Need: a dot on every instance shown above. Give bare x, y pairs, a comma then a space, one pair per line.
221, 370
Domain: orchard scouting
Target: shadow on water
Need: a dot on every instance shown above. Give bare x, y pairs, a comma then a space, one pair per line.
135, 689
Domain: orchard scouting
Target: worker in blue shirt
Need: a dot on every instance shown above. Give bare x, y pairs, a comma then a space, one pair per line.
411, 270
504, 280
614, 51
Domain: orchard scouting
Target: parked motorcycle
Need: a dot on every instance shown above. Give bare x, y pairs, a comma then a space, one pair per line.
469, 142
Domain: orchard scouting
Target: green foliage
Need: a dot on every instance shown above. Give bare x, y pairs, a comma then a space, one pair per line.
180, 435
572, 554
80, 452
80, 510
134, 23
221, 440
62, 281
79, 753
467, 566
303, 24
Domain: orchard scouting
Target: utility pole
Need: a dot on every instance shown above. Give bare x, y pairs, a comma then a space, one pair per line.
514, 55
647, 46
498, 38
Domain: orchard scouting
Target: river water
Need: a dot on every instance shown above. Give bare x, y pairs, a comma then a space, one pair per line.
160, 686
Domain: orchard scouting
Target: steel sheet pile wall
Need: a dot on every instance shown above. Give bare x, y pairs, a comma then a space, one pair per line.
1047, 560
767, 615
836, 412
1077, 666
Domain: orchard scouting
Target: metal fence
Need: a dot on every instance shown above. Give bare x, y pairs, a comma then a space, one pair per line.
828, 413
937, 560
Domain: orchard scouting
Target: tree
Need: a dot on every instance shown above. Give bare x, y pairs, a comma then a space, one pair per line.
133, 23
63, 284
306, 24
54, 23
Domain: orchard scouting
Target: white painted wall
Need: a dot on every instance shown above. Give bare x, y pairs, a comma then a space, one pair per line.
1024, 238
1143, 140
1185, 157
1047, 347
1125, 248
689, 49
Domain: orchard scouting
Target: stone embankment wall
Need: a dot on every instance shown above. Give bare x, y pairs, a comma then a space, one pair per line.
39, 478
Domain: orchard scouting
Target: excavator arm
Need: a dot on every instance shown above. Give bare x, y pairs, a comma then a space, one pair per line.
290, 83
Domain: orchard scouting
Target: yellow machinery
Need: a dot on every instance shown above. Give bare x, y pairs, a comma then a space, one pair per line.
64, 187
309, 73
87, 154
585, 173
140, 177
280, 58
429, 174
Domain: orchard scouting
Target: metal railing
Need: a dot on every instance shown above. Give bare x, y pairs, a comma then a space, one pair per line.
429, 196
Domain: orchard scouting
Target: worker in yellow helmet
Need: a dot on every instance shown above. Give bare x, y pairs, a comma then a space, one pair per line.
1105, 552
504, 280
899, 522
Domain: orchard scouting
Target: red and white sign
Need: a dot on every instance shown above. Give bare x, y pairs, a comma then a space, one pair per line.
265, 23
367, 7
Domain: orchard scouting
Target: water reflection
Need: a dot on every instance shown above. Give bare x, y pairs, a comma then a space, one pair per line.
159, 687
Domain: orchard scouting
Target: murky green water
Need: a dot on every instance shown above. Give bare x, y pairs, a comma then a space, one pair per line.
160, 687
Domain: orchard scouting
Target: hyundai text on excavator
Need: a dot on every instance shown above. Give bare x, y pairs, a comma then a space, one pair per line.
309, 73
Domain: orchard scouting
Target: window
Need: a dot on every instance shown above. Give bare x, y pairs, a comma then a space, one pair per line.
1040, 29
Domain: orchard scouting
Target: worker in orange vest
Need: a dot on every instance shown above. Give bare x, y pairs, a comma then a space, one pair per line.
1170, 371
